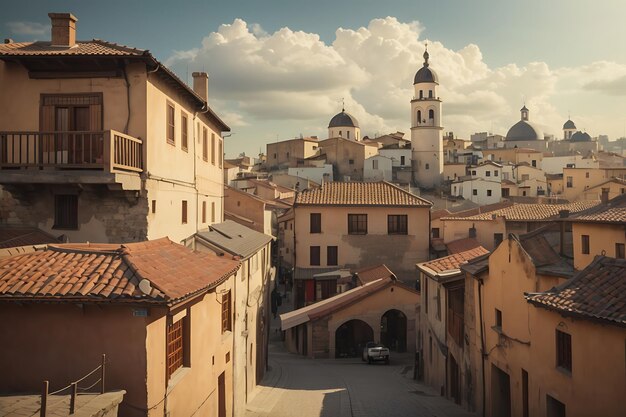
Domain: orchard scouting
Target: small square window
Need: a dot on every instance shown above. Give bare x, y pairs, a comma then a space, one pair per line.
488, 193
357, 224
488, 173
619, 251
351, 161
397, 224
474, 192
435, 231
564, 350
316, 223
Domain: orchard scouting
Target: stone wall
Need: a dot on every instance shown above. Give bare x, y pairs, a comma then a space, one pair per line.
104, 216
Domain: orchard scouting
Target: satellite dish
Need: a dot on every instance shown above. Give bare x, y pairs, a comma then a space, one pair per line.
145, 287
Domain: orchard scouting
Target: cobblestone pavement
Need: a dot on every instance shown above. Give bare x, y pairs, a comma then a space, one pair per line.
297, 386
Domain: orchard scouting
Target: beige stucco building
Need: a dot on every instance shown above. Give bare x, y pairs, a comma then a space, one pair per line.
347, 157
160, 312
581, 183
356, 224
290, 153
114, 149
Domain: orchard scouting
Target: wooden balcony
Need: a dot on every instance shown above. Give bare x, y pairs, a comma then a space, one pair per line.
66, 157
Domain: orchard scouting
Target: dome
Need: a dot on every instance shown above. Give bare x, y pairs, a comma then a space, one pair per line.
425, 74
569, 125
580, 137
343, 119
524, 130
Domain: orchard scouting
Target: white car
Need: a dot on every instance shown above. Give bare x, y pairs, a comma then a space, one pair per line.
375, 352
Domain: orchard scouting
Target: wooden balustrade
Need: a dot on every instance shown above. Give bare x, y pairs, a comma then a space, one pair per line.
102, 150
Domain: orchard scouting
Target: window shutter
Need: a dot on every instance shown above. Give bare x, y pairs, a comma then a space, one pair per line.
46, 124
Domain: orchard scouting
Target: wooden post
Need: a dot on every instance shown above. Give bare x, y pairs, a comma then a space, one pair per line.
44, 399
104, 357
73, 397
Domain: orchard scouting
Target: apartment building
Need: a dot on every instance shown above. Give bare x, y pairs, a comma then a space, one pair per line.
101, 142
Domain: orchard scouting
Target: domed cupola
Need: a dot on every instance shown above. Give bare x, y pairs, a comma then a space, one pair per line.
569, 128
344, 125
569, 125
425, 74
524, 130
580, 137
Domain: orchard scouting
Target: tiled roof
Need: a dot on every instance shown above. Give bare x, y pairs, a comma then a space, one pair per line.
597, 292
11, 237
372, 273
234, 238
480, 209
360, 194
437, 214
613, 212
462, 245
543, 255
93, 47
528, 212
450, 264
111, 272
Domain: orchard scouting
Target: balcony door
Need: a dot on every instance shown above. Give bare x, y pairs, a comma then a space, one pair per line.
71, 129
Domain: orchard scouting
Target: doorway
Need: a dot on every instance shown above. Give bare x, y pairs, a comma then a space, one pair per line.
393, 330
455, 380
221, 395
500, 392
351, 337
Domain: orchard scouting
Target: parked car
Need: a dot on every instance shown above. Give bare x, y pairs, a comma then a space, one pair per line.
375, 352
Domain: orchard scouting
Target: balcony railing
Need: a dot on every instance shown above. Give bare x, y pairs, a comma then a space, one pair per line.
102, 150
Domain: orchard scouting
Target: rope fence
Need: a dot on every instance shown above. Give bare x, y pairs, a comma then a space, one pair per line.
73, 387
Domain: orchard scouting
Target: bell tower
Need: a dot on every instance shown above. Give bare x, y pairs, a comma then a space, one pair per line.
426, 128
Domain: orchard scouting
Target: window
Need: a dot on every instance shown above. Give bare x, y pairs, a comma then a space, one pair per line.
184, 211
153, 206
525, 177
525, 407
473, 172
348, 134
226, 317
205, 144
498, 320
497, 239
431, 114
332, 255
430, 93
316, 223
419, 116
325, 289
619, 251
474, 192
564, 350
421, 93
287, 154
435, 232
570, 182
315, 255
204, 212
488, 193
340, 134
177, 346
427, 166
357, 224
495, 172
375, 164
213, 212
171, 127
66, 211
220, 153
397, 224
213, 148
488, 173
533, 163
351, 161
275, 156
183, 131
584, 241
587, 174
554, 407
402, 160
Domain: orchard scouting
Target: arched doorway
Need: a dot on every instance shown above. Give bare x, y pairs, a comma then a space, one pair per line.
393, 330
351, 337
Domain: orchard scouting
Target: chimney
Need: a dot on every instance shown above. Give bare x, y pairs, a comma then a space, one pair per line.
472, 232
63, 29
604, 197
563, 214
201, 84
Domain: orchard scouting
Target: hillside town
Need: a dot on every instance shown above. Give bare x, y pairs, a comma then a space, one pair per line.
145, 271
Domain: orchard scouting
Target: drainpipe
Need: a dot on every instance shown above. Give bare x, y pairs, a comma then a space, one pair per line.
482, 341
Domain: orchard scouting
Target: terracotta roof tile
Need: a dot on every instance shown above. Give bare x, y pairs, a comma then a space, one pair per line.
360, 194
528, 212
373, 273
462, 245
24, 236
613, 212
451, 263
92, 47
108, 272
597, 292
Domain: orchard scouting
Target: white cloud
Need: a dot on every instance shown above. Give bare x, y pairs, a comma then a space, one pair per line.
287, 81
28, 28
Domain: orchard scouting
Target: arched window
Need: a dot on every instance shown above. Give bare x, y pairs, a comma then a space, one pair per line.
348, 134
431, 114
419, 117
340, 133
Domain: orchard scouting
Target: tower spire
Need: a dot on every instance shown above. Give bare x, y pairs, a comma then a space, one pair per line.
426, 56
343, 105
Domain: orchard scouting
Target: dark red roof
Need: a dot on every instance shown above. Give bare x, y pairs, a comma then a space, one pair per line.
597, 292
112, 272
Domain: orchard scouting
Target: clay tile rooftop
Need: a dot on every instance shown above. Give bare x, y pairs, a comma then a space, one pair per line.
158, 271
598, 292
449, 266
360, 194
612, 212
528, 212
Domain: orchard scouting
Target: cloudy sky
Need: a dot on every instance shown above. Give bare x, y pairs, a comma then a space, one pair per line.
279, 68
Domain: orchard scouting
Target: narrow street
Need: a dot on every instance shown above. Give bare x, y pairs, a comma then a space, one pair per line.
297, 386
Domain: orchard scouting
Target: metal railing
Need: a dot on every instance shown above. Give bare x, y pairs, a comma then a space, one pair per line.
74, 388
99, 150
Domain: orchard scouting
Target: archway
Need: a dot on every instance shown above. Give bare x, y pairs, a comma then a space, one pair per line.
393, 330
351, 337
